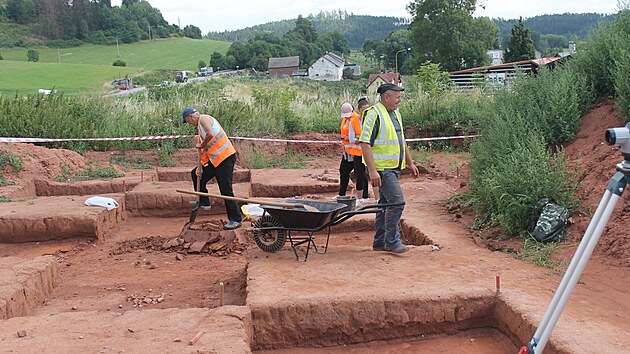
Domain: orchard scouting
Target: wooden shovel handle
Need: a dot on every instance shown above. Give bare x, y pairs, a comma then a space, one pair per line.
244, 200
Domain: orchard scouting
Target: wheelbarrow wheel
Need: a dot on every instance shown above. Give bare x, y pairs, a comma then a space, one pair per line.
268, 240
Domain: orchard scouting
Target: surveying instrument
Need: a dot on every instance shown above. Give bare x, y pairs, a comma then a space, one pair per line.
614, 190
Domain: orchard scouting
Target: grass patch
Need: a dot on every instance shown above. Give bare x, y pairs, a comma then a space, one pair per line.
538, 253
138, 163
4, 199
27, 77
4, 182
10, 159
90, 173
170, 53
422, 156
290, 160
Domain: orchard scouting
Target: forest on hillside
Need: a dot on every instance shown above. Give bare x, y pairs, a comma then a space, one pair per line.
567, 24
63, 23
356, 28
361, 28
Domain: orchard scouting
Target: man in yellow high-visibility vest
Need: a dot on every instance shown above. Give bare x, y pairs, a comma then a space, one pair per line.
385, 154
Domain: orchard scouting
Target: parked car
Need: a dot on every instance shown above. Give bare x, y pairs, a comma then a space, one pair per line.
205, 71
181, 76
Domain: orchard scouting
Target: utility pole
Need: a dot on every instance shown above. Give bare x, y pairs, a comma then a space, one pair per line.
149, 32
402, 50
58, 55
117, 50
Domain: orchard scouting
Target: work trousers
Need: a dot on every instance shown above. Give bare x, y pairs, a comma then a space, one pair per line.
359, 171
387, 225
223, 174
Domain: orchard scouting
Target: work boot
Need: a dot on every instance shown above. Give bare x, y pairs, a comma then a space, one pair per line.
232, 225
194, 204
399, 249
379, 248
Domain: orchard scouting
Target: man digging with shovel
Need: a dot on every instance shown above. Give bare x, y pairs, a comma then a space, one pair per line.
217, 158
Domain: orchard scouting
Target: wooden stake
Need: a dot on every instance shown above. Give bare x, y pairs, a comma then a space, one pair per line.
141, 176
221, 294
498, 283
194, 339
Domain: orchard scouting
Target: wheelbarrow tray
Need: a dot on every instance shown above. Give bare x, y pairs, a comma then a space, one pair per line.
302, 219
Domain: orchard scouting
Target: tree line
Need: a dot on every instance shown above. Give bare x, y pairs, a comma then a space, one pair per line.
72, 22
302, 40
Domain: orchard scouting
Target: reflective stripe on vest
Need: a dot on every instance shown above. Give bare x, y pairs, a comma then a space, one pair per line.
219, 147
386, 148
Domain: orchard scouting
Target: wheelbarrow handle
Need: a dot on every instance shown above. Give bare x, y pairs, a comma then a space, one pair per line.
244, 200
368, 209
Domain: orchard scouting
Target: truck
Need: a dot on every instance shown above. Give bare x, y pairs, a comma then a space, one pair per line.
206, 71
181, 76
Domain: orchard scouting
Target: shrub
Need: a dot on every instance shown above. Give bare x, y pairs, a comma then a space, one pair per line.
513, 168
604, 59
32, 55
119, 62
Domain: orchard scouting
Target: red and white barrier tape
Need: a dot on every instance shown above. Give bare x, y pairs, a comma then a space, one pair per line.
160, 137
287, 140
46, 140
443, 138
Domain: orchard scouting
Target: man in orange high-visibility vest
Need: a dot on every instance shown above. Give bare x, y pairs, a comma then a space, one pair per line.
218, 158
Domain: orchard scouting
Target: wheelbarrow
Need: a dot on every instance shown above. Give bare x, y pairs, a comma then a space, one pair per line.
271, 231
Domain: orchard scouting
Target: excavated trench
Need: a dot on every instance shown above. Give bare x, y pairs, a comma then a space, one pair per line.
467, 322
474, 322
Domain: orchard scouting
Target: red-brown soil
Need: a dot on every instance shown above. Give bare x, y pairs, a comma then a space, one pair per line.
594, 164
390, 299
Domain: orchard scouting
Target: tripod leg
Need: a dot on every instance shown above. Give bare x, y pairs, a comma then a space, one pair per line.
570, 270
615, 188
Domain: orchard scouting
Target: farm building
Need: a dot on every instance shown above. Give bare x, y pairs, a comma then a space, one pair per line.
284, 65
328, 68
356, 69
499, 75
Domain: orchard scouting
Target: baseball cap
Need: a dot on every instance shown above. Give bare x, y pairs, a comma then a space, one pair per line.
386, 87
346, 110
187, 111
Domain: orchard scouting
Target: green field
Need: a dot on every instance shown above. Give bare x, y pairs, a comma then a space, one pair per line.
26, 77
88, 69
171, 53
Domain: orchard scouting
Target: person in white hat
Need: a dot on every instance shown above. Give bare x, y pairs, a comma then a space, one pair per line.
351, 158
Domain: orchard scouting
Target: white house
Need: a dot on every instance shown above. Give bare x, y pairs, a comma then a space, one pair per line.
328, 68
496, 55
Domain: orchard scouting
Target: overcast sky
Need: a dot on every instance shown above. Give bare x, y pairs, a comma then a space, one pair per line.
235, 14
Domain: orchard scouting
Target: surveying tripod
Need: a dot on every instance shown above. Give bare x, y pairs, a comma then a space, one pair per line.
614, 190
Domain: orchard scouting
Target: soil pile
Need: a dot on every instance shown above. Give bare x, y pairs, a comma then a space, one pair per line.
39, 161
594, 163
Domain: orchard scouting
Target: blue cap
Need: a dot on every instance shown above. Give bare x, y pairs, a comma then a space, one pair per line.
188, 111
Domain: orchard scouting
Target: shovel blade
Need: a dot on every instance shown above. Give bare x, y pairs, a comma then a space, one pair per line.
193, 215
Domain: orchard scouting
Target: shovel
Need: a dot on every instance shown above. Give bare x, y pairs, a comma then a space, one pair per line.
256, 201
195, 211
